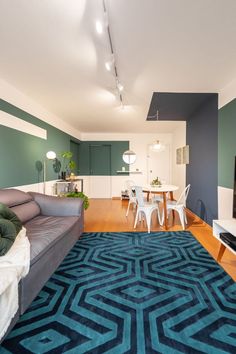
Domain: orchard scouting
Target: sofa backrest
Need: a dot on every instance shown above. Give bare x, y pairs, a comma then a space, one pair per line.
21, 203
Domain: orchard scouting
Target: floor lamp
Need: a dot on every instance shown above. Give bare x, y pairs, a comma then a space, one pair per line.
50, 155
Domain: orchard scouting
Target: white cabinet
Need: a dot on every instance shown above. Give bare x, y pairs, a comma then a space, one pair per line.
61, 187
219, 226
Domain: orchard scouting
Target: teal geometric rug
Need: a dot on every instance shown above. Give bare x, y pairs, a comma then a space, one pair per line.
131, 293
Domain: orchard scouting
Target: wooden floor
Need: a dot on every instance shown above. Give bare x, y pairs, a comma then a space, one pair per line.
109, 215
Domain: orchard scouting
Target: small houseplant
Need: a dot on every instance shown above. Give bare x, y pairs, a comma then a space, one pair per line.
81, 195
156, 182
68, 165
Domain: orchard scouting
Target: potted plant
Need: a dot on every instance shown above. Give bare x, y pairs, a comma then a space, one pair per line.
68, 165
81, 195
156, 182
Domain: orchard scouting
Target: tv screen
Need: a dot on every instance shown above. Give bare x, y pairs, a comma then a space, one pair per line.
234, 200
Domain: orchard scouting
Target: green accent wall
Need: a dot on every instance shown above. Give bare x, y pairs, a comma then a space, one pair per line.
227, 144
20, 151
117, 148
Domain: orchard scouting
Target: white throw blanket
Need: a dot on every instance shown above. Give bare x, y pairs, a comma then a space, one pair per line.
13, 266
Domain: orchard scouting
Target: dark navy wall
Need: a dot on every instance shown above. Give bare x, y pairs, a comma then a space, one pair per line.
202, 171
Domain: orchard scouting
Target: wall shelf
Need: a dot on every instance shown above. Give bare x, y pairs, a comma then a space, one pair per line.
134, 172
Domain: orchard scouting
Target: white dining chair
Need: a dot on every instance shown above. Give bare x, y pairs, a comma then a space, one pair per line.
132, 198
145, 208
178, 206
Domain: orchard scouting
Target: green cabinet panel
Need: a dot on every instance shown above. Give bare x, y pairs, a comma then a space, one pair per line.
92, 149
100, 160
84, 166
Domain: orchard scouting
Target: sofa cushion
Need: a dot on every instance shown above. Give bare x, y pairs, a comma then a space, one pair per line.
44, 231
12, 197
26, 211
8, 214
7, 235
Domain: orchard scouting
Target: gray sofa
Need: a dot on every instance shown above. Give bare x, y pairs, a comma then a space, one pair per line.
53, 226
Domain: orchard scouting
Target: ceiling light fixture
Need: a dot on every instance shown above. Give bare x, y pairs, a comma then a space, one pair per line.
157, 146
108, 65
119, 86
111, 64
99, 27
154, 117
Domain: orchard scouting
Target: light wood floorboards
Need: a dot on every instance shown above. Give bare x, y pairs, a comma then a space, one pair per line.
109, 215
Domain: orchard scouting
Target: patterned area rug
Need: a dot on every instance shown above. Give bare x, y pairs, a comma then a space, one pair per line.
132, 293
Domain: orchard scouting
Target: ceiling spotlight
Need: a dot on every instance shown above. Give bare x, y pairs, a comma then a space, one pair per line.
109, 64
99, 27
120, 86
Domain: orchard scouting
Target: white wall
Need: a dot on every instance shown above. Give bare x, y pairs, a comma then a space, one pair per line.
227, 94
37, 187
225, 203
139, 144
178, 171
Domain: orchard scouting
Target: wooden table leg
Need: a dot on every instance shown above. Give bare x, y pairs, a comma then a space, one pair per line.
172, 198
221, 252
148, 193
165, 211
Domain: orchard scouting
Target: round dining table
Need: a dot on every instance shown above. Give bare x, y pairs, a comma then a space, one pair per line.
163, 189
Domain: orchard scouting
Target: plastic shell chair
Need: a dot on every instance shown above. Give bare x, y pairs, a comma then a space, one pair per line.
179, 206
146, 208
132, 198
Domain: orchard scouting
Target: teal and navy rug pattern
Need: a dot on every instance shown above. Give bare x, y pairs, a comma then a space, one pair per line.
131, 293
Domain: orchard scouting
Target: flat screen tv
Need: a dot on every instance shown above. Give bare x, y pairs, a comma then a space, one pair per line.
234, 197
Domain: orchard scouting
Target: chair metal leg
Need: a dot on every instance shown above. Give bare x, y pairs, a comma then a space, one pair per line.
127, 212
181, 216
185, 217
160, 218
148, 219
136, 218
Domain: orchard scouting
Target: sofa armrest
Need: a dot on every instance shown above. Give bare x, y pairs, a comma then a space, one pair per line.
58, 206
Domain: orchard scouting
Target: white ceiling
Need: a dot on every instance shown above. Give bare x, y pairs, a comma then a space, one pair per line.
51, 52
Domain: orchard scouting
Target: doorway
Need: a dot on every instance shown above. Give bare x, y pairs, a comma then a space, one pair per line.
159, 165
